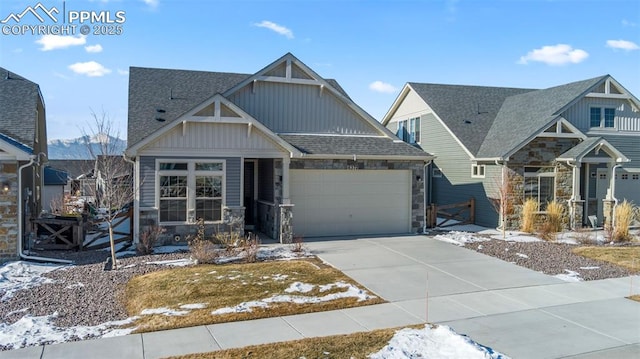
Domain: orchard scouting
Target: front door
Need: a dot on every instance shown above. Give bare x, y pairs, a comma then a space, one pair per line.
250, 209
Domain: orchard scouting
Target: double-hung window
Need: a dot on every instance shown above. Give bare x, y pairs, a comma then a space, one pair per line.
599, 117
173, 191
190, 190
539, 184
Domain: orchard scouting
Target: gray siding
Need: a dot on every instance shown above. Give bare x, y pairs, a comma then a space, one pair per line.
456, 184
148, 178
626, 119
293, 108
629, 146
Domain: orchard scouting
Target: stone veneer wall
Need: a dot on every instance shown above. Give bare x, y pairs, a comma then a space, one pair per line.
542, 152
416, 167
9, 214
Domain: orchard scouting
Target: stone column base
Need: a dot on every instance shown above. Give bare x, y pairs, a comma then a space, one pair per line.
286, 223
607, 212
577, 208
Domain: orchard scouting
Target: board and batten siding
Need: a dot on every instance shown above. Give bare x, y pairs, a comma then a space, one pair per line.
205, 137
456, 184
148, 178
295, 108
626, 119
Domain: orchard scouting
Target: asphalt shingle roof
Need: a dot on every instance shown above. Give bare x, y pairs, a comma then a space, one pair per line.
468, 111
523, 115
175, 92
352, 145
18, 105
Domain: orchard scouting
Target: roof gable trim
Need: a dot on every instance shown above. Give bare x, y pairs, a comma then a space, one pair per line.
296, 72
201, 113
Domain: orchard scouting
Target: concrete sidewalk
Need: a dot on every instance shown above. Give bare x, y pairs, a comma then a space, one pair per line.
516, 311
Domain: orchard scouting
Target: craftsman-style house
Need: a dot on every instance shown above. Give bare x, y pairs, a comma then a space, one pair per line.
577, 143
282, 151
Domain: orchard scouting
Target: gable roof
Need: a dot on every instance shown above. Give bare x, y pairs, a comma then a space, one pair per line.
172, 91
522, 117
176, 95
468, 111
579, 151
18, 104
73, 168
175, 92
54, 176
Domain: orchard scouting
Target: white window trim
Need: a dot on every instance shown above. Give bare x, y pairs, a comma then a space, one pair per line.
602, 117
478, 171
191, 185
551, 174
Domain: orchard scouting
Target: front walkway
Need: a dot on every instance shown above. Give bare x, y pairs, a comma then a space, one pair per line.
516, 311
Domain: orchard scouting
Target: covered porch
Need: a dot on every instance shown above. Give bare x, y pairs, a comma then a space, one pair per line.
594, 162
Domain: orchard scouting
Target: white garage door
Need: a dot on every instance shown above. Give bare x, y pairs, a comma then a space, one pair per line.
627, 186
343, 202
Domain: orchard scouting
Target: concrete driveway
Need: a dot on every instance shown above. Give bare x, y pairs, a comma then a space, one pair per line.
517, 311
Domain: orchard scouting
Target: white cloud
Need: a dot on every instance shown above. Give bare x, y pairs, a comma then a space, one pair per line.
55, 42
622, 45
560, 54
152, 3
123, 72
90, 68
628, 23
383, 87
275, 27
93, 48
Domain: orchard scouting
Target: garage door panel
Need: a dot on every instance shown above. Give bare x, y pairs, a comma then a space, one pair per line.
341, 202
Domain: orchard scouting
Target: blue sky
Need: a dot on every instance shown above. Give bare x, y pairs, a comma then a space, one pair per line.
371, 47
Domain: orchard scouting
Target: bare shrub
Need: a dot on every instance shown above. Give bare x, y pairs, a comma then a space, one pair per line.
148, 239
623, 215
250, 247
554, 221
585, 236
203, 250
529, 210
297, 245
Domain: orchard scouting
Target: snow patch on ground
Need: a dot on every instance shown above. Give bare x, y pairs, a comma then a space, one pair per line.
459, 238
439, 342
569, 276
350, 291
164, 311
175, 262
19, 275
522, 255
32, 331
194, 306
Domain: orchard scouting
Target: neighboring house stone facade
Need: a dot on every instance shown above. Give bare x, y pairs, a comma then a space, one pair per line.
283, 152
564, 143
23, 150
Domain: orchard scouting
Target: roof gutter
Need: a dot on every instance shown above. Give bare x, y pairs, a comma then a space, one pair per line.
21, 254
365, 157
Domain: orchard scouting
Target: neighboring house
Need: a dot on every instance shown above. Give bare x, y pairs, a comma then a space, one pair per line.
81, 180
23, 147
55, 182
562, 143
282, 151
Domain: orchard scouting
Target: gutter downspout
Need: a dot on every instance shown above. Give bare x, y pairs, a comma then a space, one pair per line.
21, 254
571, 200
425, 172
134, 226
613, 194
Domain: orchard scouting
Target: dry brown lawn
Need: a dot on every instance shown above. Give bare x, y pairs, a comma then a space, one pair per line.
222, 286
357, 345
627, 256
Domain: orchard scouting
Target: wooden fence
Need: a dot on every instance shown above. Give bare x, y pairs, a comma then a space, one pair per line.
451, 214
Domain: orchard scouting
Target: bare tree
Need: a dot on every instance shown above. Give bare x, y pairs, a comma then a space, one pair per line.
506, 200
114, 188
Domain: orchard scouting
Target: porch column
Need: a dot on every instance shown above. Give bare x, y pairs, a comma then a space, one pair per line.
286, 162
577, 204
